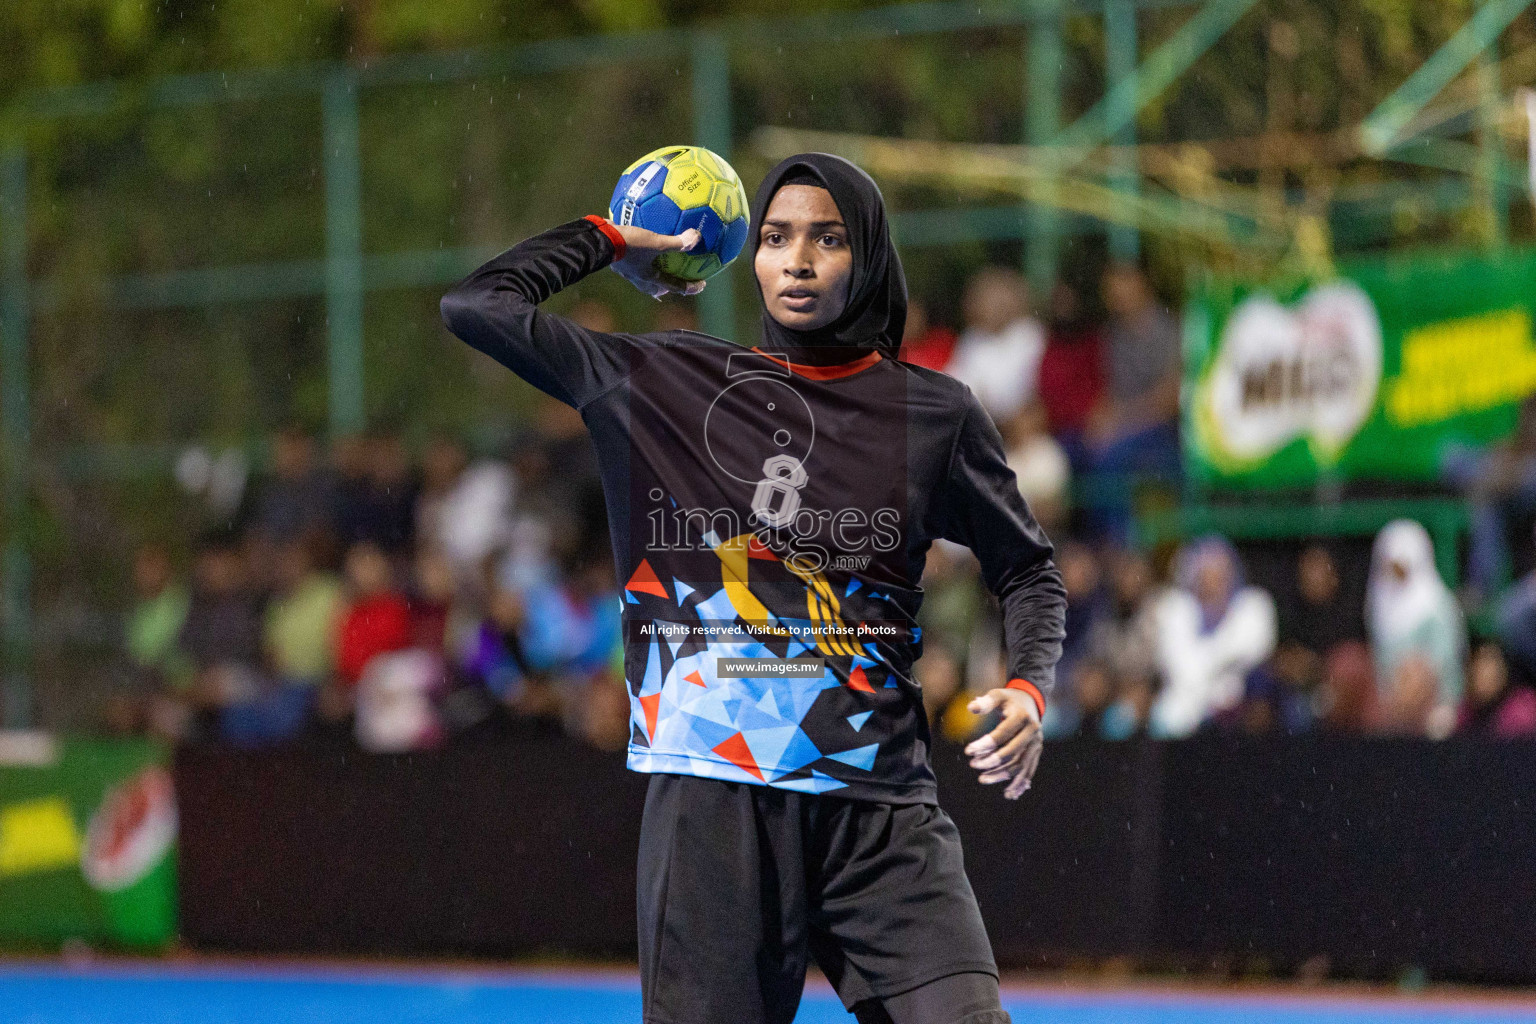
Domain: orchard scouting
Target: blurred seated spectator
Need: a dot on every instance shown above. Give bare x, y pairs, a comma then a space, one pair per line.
998, 354
1125, 638
1516, 625
1411, 705
475, 517
303, 615
1039, 464
571, 627
1494, 707
1134, 428
431, 601
941, 682
299, 637
376, 620
602, 708
298, 495
1314, 616
951, 606
154, 661
1087, 604
592, 677
221, 636
1346, 699
1413, 616
395, 708
1500, 485
529, 556
154, 624
1212, 632
1092, 688
570, 490
1314, 620
442, 466
1130, 716
923, 342
349, 468
393, 486
493, 655
1071, 369
1278, 701
377, 492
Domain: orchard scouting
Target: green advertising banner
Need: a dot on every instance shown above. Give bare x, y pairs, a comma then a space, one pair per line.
1375, 374
87, 842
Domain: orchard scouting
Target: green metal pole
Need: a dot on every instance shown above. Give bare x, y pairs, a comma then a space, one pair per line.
1042, 121
712, 130
1120, 66
1490, 143
17, 420
1162, 68
1382, 128
343, 252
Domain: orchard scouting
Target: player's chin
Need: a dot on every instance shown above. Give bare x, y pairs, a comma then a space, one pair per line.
799, 319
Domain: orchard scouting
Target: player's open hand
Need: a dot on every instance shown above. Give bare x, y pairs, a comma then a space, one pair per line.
638, 267
1010, 752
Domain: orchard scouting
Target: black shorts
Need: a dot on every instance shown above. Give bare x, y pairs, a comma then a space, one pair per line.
739, 883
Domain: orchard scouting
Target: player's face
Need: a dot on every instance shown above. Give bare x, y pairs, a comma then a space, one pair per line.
804, 264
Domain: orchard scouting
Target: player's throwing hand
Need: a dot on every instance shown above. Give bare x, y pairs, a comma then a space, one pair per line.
638, 264
1010, 752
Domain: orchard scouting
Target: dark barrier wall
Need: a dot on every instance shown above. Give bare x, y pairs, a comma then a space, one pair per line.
491, 848
1380, 855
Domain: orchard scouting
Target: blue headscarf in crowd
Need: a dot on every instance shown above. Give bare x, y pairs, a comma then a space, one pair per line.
1193, 557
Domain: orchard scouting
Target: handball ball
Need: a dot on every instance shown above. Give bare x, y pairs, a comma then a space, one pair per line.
681, 187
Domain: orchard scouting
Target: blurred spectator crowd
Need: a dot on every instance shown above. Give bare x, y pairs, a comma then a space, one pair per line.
408, 598
404, 601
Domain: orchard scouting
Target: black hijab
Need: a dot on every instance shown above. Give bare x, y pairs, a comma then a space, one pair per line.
877, 295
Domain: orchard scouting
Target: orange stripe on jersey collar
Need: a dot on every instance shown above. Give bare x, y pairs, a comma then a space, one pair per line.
1033, 691
612, 233
831, 372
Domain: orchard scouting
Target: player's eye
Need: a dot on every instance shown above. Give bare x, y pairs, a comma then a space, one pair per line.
831, 241
773, 238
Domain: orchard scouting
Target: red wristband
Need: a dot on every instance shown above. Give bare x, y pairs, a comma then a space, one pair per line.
1031, 689
611, 232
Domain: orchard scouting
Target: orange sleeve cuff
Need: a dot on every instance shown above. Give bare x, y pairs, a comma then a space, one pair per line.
1031, 689
612, 234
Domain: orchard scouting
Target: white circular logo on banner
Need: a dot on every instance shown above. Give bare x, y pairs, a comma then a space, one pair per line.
1282, 373
130, 832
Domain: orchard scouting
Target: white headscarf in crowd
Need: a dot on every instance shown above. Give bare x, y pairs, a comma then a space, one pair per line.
1396, 608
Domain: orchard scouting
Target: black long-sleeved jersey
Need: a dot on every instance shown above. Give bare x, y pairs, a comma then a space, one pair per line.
770, 522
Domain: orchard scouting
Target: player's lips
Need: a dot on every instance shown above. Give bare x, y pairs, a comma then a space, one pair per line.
798, 298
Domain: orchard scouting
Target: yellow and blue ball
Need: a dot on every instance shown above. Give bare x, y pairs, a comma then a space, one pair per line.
680, 187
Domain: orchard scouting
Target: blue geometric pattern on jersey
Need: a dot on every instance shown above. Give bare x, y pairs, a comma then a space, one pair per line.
859, 757
737, 730
817, 783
